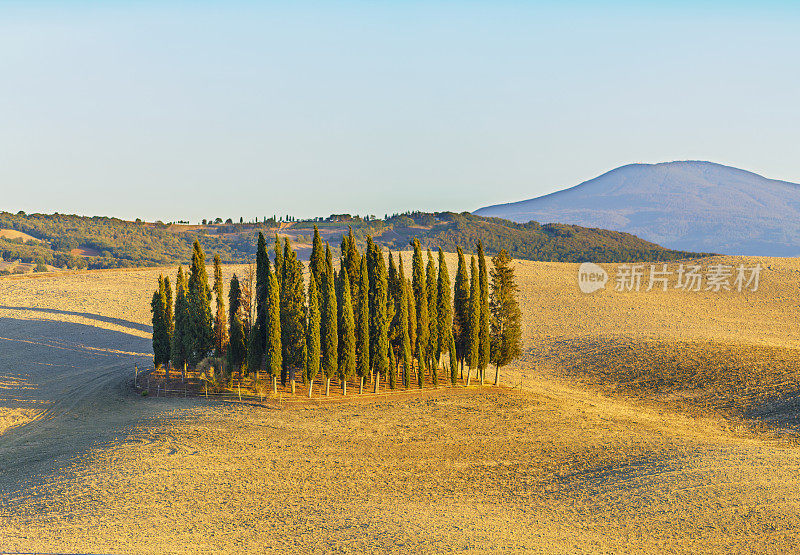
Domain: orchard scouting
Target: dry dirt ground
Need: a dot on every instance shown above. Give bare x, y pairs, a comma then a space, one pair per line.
635, 422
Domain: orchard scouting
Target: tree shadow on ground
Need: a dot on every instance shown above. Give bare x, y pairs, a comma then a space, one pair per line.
107, 319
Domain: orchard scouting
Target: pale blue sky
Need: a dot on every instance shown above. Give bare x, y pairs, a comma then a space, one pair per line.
186, 110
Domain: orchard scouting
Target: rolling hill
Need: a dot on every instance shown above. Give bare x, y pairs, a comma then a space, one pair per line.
690, 205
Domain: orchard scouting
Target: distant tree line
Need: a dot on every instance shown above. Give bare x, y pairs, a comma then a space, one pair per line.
368, 320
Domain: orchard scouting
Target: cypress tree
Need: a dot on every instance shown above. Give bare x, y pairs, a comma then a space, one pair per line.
201, 329
313, 345
362, 324
293, 314
506, 317
394, 301
169, 315
418, 280
433, 319
158, 307
484, 346
273, 351
405, 340
351, 259
329, 329
181, 342
220, 322
392, 368
379, 323
444, 309
237, 347
453, 361
347, 331
259, 330
461, 310
316, 264
473, 329
278, 261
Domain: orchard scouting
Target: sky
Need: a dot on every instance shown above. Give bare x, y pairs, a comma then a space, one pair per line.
188, 110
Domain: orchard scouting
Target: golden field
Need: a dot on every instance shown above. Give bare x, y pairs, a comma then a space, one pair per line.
635, 422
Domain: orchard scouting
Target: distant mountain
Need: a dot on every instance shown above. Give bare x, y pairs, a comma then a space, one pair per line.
692, 206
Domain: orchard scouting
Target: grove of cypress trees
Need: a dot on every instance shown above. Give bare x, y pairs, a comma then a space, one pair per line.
347, 331
273, 350
461, 310
418, 281
293, 314
506, 316
433, 319
237, 346
473, 329
220, 321
313, 346
329, 329
201, 327
158, 306
484, 345
181, 341
362, 324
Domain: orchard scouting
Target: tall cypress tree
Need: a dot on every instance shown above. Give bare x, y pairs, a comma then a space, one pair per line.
453, 361
444, 309
313, 345
278, 261
379, 322
347, 331
405, 339
220, 321
473, 329
262, 299
316, 264
484, 345
461, 310
351, 259
169, 315
237, 347
181, 340
418, 280
293, 314
362, 324
506, 316
433, 319
329, 329
273, 351
158, 307
201, 328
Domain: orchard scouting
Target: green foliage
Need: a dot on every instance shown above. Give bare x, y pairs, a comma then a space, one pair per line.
313, 345
461, 308
347, 329
237, 345
293, 313
329, 326
433, 318
181, 342
506, 332
404, 337
158, 306
444, 308
379, 316
362, 320
220, 323
273, 348
474, 315
418, 281
484, 346
317, 262
201, 331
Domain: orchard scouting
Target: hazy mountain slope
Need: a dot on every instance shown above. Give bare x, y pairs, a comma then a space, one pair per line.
695, 206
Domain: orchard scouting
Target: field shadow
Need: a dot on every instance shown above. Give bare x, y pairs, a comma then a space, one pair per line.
79, 378
89, 315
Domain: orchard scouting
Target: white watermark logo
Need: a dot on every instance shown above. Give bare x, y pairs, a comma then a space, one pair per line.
686, 277
591, 277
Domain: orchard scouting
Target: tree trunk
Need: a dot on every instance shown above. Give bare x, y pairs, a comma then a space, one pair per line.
274, 385
344, 387
292, 386
496, 374
483, 375
377, 382
469, 375
327, 387
310, 387
361, 387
